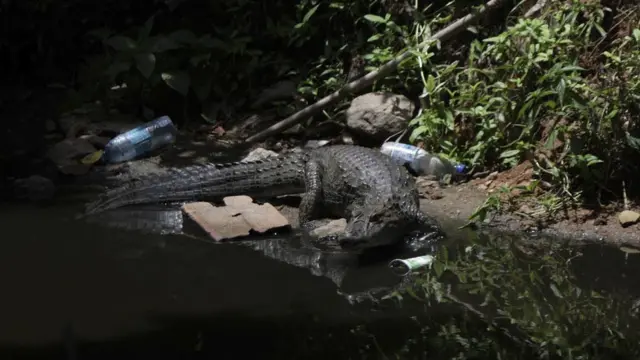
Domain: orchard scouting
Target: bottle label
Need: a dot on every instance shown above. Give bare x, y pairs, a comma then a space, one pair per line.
404, 152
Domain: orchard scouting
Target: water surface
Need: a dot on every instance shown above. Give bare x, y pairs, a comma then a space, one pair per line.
72, 289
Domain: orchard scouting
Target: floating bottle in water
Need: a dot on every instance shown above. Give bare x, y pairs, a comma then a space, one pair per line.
421, 161
140, 140
406, 266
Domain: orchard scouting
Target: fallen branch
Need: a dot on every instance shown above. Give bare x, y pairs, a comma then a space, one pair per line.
371, 77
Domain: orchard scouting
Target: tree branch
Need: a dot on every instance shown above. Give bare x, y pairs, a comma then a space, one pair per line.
371, 77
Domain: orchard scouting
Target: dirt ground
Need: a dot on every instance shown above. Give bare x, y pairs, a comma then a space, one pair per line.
458, 202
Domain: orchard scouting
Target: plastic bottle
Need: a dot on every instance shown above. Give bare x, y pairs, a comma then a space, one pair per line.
421, 161
140, 140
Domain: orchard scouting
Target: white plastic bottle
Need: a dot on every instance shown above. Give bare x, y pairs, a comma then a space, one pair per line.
421, 161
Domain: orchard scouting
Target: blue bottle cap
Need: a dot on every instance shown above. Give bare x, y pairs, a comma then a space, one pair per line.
460, 168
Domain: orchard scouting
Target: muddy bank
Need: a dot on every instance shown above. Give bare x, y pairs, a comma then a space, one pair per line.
452, 204
457, 203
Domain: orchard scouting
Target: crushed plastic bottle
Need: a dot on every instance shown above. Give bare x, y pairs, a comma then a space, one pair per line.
421, 161
140, 140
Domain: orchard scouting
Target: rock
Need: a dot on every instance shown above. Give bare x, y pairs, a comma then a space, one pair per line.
312, 144
628, 218
67, 153
331, 228
600, 221
70, 124
50, 126
378, 116
97, 141
347, 139
259, 154
282, 90
35, 188
525, 209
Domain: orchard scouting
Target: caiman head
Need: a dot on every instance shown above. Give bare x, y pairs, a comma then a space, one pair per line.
387, 222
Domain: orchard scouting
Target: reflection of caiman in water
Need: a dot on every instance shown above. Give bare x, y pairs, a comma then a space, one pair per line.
367, 272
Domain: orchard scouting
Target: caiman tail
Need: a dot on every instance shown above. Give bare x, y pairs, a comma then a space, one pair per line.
153, 220
271, 177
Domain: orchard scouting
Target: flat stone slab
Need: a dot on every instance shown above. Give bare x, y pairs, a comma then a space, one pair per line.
239, 217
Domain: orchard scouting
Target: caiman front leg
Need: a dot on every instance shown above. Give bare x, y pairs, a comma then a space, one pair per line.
355, 233
311, 209
312, 197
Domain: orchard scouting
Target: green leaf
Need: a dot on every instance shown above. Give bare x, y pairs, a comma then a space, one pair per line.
146, 63
122, 43
375, 18
117, 67
571, 68
310, 13
509, 153
210, 43
634, 142
159, 44
417, 132
374, 37
431, 84
636, 35
555, 291
101, 33
178, 81
552, 139
561, 89
202, 90
183, 36
146, 29
196, 60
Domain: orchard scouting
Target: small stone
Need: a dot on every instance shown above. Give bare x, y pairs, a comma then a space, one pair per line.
312, 144
50, 125
492, 176
260, 154
66, 155
97, 141
628, 218
600, 222
424, 181
331, 228
35, 188
525, 209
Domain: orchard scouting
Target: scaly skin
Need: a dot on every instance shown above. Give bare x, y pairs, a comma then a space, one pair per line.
376, 195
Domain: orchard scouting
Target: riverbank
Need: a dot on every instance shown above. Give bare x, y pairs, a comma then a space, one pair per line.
454, 203
581, 225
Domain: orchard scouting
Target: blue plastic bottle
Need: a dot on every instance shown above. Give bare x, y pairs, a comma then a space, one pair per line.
140, 140
421, 161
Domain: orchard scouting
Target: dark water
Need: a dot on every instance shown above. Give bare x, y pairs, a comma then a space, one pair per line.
75, 290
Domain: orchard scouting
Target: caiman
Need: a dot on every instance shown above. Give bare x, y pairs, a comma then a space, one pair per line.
376, 195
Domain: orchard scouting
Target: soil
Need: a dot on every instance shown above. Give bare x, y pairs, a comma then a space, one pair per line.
459, 201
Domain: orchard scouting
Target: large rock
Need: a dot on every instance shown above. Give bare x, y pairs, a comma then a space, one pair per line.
376, 116
628, 218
